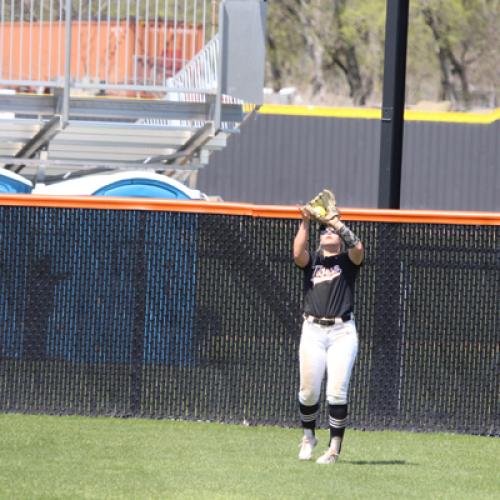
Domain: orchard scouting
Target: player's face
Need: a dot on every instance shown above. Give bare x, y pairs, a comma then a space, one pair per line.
328, 236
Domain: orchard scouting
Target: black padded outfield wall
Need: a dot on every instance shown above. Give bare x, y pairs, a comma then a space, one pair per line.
191, 316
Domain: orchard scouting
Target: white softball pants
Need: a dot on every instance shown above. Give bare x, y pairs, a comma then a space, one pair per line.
331, 348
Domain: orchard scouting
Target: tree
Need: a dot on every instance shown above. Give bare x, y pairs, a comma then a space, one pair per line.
336, 39
337, 46
461, 30
357, 49
285, 43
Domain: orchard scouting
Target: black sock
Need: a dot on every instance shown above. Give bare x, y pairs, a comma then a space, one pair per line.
308, 416
337, 421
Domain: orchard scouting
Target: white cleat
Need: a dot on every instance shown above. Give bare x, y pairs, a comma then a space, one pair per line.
306, 447
329, 457
332, 454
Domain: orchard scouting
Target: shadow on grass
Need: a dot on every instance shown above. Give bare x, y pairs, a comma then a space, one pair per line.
378, 462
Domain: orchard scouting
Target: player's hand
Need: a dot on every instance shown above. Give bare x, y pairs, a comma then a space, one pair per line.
306, 216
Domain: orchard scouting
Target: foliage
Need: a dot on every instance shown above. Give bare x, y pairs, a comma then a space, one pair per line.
337, 47
462, 31
329, 44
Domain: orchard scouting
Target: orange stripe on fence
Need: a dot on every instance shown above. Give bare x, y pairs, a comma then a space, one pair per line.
269, 211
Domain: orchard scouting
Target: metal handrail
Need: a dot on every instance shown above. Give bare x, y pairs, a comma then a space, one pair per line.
201, 72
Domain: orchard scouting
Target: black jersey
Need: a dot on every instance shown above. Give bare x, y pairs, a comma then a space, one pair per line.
329, 285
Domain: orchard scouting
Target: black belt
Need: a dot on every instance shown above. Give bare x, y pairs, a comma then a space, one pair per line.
329, 321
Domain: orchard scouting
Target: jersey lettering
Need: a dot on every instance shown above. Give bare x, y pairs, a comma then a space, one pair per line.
321, 274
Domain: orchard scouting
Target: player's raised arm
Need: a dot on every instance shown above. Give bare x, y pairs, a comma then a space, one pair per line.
301, 242
355, 248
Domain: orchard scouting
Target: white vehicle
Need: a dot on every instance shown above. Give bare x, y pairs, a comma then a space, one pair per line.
134, 183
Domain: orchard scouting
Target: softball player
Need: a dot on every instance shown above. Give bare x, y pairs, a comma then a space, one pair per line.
329, 341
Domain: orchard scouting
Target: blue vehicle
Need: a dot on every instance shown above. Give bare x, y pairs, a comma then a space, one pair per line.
11, 183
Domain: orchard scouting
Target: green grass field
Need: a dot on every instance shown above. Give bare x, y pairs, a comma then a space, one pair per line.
77, 457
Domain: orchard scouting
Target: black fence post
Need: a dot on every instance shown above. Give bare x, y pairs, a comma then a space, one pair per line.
140, 287
391, 137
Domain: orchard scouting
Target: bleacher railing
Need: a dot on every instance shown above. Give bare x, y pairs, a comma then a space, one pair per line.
107, 46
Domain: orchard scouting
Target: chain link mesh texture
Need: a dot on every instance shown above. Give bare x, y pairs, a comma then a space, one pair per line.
191, 316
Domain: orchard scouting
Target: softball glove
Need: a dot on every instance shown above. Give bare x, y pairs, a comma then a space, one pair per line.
322, 207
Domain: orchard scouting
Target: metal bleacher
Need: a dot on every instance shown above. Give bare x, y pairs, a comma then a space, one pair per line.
90, 85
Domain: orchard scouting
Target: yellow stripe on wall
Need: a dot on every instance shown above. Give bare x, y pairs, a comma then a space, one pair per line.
375, 114
453, 117
319, 111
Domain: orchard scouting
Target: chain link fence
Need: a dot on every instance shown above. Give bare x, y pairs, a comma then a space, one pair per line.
197, 316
